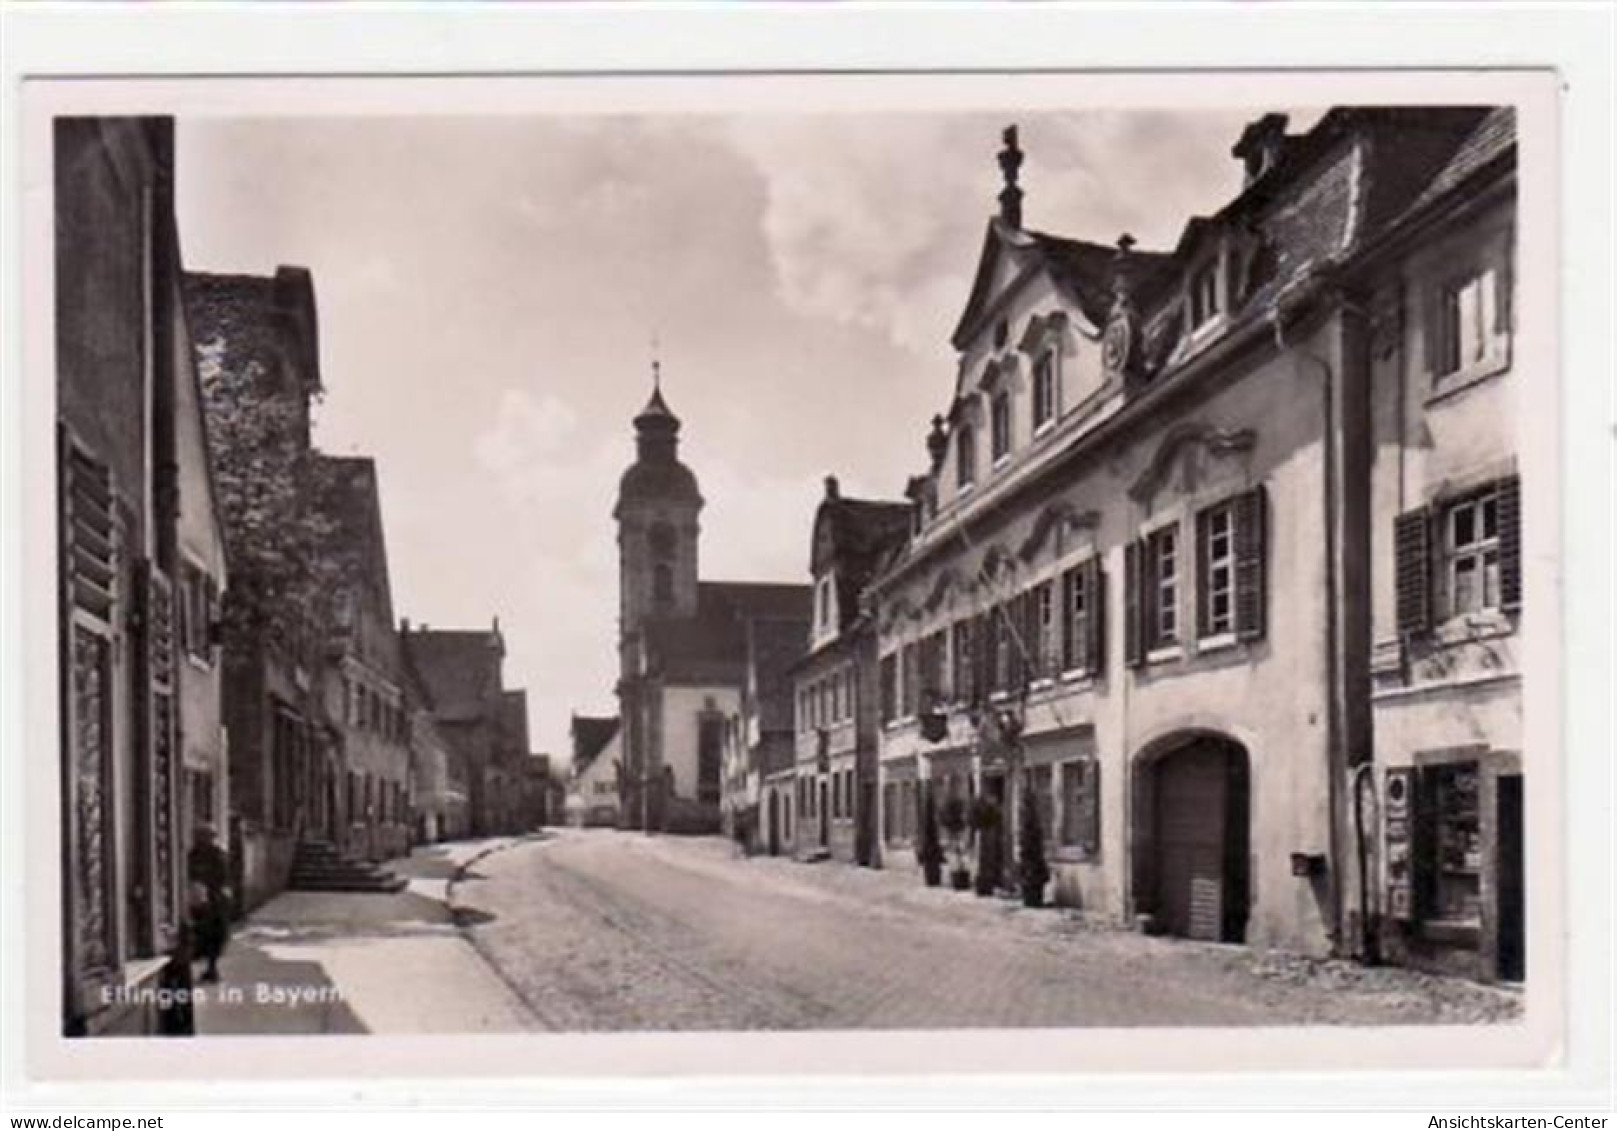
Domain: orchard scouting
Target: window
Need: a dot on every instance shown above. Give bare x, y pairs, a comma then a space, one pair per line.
964, 663
910, 681
1040, 782
1000, 646
1204, 294
1080, 807
1162, 587
1000, 421
965, 456
1476, 543
662, 583
1044, 389
1215, 542
1042, 635
1469, 328
889, 688
1450, 827
196, 607
822, 603
1472, 553
709, 758
1081, 615
931, 663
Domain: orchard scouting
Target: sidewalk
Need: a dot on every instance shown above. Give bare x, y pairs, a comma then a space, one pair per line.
338, 962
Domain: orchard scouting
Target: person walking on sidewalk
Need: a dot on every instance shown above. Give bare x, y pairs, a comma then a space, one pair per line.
209, 869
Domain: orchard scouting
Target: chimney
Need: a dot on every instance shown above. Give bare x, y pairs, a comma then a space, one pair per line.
1260, 145
404, 626
1010, 165
832, 490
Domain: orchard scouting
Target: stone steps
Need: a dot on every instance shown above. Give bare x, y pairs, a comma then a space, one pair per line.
319, 866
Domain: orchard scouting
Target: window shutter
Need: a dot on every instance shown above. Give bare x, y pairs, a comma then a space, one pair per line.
1204, 604
1095, 630
1013, 624
1092, 829
1251, 555
1133, 604
1509, 518
1412, 538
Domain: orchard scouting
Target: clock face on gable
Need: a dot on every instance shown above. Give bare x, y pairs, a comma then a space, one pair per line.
1116, 343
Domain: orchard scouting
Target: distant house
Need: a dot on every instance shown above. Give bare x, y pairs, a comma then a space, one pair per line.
141, 572
258, 352
682, 641
593, 780
831, 778
437, 770
462, 671
758, 738
366, 778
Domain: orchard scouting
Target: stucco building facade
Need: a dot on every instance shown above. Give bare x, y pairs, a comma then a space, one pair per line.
1141, 587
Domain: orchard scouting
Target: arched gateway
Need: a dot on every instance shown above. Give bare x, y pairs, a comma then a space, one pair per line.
1192, 819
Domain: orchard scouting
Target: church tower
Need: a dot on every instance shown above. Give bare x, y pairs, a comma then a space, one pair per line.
657, 510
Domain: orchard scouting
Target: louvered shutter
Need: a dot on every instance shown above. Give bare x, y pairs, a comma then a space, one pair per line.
1095, 626
982, 648
1133, 604
1509, 518
1090, 828
1412, 545
1204, 602
1251, 556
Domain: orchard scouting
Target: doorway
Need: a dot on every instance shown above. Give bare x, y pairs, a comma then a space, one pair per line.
1512, 953
1199, 802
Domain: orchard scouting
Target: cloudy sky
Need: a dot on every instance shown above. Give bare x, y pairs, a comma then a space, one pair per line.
489, 289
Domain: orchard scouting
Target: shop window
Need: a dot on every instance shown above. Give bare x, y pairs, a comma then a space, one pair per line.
1452, 835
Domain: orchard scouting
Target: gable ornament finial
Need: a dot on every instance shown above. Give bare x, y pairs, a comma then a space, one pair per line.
1010, 167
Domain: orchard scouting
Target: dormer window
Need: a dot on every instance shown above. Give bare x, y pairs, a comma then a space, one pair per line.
1000, 421
823, 605
1044, 389
965, 456
1204, 294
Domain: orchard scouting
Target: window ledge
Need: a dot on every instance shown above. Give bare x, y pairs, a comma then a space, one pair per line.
1001, 462
1045, 428
198, 662
1446, 385
1165, 654
1079, 676
1069, 854
1469, 627
1217, 642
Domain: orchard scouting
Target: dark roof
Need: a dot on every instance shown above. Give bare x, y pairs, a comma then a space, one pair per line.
1493, 138
753, 600
461, 669
1086, 271
591, 735
350, 499
773, 648
853, 537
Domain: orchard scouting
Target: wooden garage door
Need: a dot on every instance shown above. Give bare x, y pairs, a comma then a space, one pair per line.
1190, 837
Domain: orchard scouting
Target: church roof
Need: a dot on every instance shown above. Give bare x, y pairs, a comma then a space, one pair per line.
711, 647
656, 410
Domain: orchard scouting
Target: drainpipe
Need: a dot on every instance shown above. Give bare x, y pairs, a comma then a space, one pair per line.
1334, 712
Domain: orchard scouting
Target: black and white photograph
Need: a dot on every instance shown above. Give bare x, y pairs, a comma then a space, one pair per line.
650, 572
742, 559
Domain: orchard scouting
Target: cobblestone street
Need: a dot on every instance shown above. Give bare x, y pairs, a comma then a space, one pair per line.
607, 930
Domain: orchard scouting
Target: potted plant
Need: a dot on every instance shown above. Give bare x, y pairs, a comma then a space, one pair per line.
1034, 871
931, 851
955, 824
985, 822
